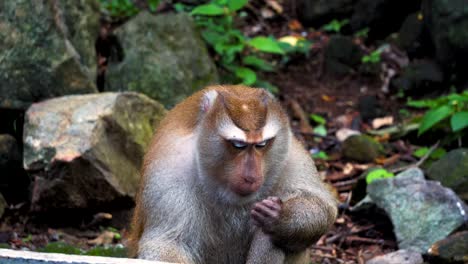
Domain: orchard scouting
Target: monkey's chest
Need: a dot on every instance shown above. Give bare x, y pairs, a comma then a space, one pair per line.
229, 242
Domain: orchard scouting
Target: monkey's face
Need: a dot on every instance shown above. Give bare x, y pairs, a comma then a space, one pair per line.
241, 146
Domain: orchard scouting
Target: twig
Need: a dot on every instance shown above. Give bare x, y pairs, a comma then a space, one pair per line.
421, 161
344, 183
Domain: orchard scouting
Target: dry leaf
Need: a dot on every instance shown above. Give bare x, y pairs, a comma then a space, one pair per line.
275, 6
295, 25
105, 238
382, 121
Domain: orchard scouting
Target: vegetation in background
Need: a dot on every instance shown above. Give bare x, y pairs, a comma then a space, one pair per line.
125, 8
378, 174
335, 26
451, 109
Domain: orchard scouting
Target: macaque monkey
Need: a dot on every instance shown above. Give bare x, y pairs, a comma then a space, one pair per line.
225, 181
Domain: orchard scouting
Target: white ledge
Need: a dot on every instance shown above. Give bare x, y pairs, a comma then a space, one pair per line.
9, 256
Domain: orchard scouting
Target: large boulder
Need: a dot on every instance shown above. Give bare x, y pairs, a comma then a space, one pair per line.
418, 78
342, 56
46, 50
452, 171
165, 58
86, 150
401, 256
316, 13
422, 212
382, 17
447, 23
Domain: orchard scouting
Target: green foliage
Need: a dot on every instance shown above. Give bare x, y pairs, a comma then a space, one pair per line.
125, 8
378, 174
320, 155
335, 25
239, 55
453, 106
320, 130
318, 119
362, 33
436, 154
64, 248
373, 57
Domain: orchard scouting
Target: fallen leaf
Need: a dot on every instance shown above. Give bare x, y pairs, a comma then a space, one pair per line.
382, 121
295, 25
344, 133
275, 6
105, 238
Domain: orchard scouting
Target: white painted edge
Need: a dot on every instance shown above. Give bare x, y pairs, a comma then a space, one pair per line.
64, 258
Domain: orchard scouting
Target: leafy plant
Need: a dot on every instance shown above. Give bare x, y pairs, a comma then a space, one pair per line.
436, 154
335, 25
320, 155
125, 8
363, 33
373, 57
238, 54
378, 174
453, 107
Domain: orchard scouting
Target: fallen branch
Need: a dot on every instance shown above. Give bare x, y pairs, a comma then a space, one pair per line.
417, 164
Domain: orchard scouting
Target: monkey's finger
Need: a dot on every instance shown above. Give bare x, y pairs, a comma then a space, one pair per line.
265, 211
258, 218
272, 205
275, 199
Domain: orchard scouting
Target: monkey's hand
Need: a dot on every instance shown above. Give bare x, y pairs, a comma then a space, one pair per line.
266, 214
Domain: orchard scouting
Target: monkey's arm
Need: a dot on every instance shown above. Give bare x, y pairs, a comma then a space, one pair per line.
308, 208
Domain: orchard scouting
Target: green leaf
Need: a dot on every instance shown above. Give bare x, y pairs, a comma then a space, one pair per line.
208, 10
266, 45
318, 119
459, 121
247, 75
420, 152
320, 155
378, 174
438, 153
257, 63
153, 4
320, 130
434, 116
235, 5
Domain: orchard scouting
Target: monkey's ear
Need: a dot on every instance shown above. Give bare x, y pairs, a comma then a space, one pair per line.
208, 100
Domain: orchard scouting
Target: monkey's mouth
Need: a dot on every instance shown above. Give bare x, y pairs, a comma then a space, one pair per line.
246, 189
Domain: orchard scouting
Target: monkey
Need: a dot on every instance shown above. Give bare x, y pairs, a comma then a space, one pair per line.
225, 181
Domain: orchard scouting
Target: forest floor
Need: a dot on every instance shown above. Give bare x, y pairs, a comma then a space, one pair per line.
304, 89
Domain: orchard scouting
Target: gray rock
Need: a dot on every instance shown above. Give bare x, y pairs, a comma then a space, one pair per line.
401, 256
453, 249
165, 58
411, 36
452, 171
342, 55
14, 182
419, 78
46, 50
447, 22
382, 17
361, 148
316, 13
87, 150
422, 212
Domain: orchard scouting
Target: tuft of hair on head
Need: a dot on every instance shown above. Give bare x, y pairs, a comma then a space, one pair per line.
208, 100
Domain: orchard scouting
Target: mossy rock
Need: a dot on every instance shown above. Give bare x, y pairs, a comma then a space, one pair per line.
362, 148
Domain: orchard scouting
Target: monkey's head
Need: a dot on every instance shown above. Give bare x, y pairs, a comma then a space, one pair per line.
243, 141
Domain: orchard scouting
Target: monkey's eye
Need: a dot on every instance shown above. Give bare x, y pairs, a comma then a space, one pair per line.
238, 144
261, 144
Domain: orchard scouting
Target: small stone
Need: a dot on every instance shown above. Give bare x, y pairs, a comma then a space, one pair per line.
361, 148
452, 249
